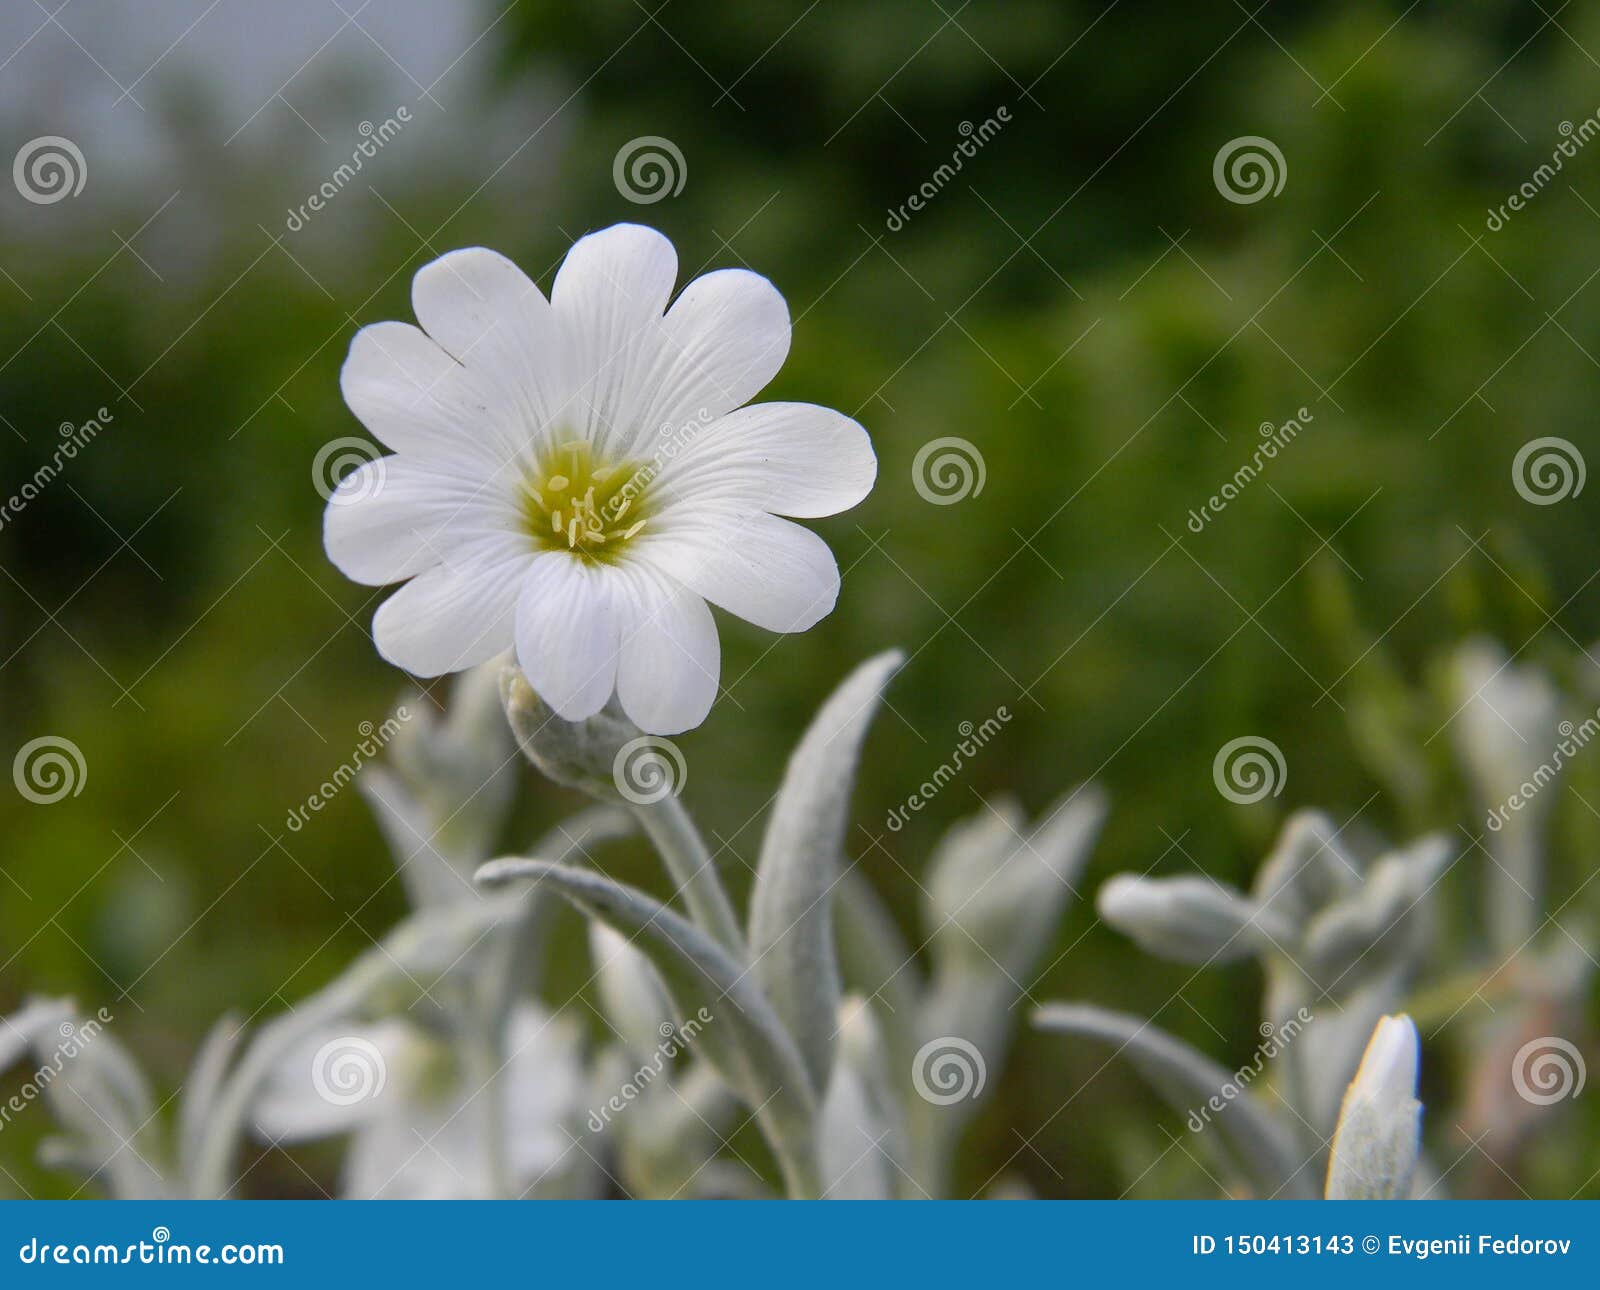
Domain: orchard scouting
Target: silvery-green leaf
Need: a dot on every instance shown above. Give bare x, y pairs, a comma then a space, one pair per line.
1344, 937
860, 1129
408, 827
791, 923
1380, 1123
630, 992
1307, 869
201, 1087
744, 1039
1190, 919
1012, 902
1258, 1141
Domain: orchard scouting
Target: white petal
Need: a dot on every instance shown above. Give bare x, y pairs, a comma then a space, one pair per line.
670, 660
417, 399
453, 616
766, 570
609, 297
786, 458
723, 339
330, 1081
490, 317
566, 634
394, 517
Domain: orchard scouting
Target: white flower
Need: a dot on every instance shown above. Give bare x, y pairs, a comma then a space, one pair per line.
1379, 1137
576, 477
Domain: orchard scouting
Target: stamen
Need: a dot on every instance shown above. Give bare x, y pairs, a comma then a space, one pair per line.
557, 483
634, 529
572, 532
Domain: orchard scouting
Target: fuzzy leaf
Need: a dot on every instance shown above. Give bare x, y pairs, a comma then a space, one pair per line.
745, 1041
791, 920
1189, 919
1380, 1124
1260, 1143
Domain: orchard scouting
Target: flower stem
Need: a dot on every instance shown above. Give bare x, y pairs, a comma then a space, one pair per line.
678, 841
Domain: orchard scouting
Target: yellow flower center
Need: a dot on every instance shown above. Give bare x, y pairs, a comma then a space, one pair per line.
574, 502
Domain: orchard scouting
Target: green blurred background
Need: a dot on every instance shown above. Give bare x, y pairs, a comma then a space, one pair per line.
1080, 303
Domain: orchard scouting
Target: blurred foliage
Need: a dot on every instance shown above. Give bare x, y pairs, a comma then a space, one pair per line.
1080, 303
